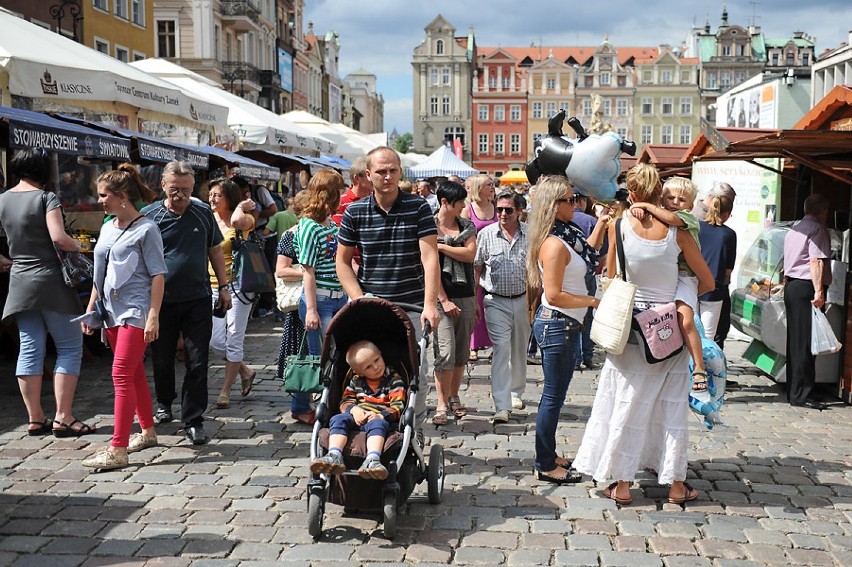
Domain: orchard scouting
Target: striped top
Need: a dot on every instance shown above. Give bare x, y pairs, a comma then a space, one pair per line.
389, 244
316, 245
385, 396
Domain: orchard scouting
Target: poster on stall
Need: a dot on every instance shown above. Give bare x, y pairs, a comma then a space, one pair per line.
758, 195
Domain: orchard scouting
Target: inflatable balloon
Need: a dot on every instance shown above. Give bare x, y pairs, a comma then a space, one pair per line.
591, 162
708, 402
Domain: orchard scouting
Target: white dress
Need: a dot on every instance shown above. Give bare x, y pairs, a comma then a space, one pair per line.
640, 413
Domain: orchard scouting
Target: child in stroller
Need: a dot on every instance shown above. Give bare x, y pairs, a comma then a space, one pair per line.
372, 401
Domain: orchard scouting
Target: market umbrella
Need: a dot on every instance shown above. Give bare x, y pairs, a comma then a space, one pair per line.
514, 176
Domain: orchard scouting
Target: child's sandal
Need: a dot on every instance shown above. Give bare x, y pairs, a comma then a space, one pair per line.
699, 381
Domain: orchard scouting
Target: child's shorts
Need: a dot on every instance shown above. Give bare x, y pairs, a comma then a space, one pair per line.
687, 290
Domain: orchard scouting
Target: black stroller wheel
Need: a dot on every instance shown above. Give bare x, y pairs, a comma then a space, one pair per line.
435, 474
389, 511
316, 511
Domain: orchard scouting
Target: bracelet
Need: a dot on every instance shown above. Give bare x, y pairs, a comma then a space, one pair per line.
223, 286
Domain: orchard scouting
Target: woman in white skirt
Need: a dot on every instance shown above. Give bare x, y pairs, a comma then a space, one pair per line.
639, 417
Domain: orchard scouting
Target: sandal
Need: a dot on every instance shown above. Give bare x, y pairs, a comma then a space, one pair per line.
67, 429
563, 462
473, 356
570, 476
223, 402
43, 428
458, 409
440, 417
609, 492
308, 418
689, 495
247, 383
699, 384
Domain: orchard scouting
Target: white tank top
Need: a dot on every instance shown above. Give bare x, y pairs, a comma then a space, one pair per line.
573, 281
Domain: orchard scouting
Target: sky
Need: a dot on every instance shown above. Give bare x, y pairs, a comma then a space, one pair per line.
380, 35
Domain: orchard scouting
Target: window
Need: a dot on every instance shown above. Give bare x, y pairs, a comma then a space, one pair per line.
647, 134
102, 46
647, 105
725, 83
668, 105
621, 107
505, 82
740, 77
445, 75
101, 5
587, 107
566, 106
686, 105
647, 76
805, 59
774, 59
515, 144
685, 76
445, 106
137, 12
492, 82
666, 76
605, 78
499, 113
726, 51
433, 106
122, 54
711, 80
537, 136
685, 134
607, 107
166, 39
791, 59
499, 144
551, 109
741, 50
454, 133
483, 144
482, 111
589, 81
551, 84
433, 75
515, 112
536, 110
439, 47
622, 80
666, 135
120, 8
622, 132
137, 56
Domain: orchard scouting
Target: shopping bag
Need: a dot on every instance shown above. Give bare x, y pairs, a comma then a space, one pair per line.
823, 340
612, 318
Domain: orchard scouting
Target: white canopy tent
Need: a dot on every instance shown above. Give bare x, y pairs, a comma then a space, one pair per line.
39, 64
252, 123
440, 163
351, 144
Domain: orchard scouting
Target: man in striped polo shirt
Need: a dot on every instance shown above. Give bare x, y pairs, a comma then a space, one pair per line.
395, 234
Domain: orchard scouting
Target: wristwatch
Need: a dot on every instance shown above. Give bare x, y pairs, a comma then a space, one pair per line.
223, 286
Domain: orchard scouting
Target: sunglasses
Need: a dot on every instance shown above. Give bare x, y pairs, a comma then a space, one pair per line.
571, 200
507, 210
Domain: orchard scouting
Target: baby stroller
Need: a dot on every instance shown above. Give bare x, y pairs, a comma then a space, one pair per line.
386, 325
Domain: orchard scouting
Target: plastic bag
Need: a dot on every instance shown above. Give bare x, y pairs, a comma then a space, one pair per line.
823, 340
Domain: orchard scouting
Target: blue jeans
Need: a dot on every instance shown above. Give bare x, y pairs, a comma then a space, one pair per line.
343, 423
33, 328
558, 337
327, 308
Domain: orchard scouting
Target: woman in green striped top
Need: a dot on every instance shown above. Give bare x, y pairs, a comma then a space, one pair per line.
316, 247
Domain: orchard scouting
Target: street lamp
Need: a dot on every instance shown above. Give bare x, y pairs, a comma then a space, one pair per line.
57, 11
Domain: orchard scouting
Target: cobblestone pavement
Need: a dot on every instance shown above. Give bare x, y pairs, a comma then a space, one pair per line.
774, 488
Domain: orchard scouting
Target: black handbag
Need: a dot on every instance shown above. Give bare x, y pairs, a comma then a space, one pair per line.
302, 371
77, 269
250, 272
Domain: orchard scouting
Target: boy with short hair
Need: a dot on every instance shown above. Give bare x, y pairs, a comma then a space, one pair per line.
677, 200
372, 401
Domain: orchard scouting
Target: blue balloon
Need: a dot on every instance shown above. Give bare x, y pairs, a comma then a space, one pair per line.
707, 403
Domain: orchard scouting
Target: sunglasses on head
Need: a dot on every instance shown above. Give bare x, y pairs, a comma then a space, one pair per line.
507, 210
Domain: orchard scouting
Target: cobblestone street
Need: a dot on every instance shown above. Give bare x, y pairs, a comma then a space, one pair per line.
775, 487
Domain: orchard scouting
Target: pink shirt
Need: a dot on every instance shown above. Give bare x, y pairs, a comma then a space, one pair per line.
807, 239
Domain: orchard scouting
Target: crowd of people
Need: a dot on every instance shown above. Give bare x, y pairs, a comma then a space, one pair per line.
510, 270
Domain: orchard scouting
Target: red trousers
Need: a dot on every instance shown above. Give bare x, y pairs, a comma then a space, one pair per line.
132, 394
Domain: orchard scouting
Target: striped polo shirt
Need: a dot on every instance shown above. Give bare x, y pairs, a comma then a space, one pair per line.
316, 245
389, 244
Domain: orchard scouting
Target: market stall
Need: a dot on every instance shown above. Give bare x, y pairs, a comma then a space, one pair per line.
440, 163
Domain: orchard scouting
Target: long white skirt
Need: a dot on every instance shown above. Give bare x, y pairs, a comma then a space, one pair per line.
639, 419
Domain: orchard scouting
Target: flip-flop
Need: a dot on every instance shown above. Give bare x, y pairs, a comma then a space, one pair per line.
223, 402
699, 385
690, 495
609, 492
246, 384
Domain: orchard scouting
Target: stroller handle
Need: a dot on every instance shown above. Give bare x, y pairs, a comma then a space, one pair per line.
427, 328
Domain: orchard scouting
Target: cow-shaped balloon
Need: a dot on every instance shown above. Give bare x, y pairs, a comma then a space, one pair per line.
591, 162
708, 402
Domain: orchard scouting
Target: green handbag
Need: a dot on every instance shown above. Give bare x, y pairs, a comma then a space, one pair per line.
302, 371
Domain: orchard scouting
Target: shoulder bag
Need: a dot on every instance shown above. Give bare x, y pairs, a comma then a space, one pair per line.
77, 269
287, 294
302, 371
250, 272
611, 322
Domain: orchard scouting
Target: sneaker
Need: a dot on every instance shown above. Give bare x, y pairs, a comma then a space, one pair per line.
139, 441
105, 461
501, 416
332, 463
260, 313
533, 360
517, 402
373, 469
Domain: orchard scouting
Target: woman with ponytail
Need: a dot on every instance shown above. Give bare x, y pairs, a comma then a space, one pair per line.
719, 248
129, 282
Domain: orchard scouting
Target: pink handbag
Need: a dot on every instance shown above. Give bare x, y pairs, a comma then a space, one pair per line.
658, 332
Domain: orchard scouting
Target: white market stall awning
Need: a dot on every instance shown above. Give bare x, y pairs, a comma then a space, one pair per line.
351, 144
252, 123
37, 63
440, 163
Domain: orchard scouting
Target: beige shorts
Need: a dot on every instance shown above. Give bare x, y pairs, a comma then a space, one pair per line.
452, 337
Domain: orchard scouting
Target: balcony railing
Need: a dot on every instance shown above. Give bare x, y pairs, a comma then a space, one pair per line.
238, 72
245, 8
270, 78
